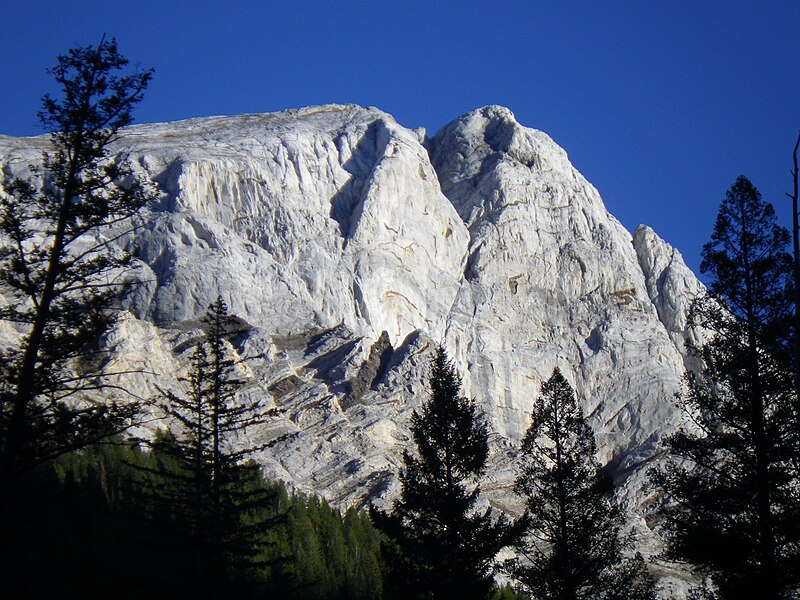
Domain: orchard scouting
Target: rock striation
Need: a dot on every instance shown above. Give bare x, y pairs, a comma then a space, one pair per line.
349, 246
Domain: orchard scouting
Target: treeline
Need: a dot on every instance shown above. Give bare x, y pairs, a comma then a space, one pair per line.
92, 528
87, 513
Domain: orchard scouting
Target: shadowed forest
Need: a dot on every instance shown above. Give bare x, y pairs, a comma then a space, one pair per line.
90, 510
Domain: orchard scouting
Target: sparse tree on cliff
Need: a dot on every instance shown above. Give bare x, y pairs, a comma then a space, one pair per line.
438, 545
59, 266
573, 547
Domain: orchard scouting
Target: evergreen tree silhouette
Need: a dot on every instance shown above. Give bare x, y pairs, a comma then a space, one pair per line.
60, 270
212, 492
733, 470
438, 545
574, 544
60, 266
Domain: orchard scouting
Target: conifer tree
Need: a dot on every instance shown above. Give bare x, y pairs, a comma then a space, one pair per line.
213, 492
438, 545
320, 554
733, 475
795, 198
59, 266
573, 547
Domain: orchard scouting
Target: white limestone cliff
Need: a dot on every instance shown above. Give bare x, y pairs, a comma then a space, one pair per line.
324, 227
553, 280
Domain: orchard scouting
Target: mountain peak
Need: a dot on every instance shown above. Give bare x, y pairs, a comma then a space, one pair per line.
324, 227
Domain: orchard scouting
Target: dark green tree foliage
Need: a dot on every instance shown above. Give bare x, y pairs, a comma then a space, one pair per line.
59, 265
750, 268
574, 544
97, 535
213, 495
82, 537
733, 476
361, 565
507, 592
317, 553
437, 545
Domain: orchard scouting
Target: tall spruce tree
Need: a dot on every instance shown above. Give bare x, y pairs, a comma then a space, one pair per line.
59, 266
213, 495
437, 545
795, 198
732, 473
573, 547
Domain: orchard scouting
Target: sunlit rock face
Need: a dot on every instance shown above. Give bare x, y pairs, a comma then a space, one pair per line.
552, 280
349, 246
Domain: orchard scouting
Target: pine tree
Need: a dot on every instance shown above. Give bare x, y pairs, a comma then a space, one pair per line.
733, 475
573, 547
59, 266
213, 492
437, 545
795, 198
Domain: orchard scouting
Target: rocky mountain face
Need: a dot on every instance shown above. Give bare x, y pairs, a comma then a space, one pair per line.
349, 246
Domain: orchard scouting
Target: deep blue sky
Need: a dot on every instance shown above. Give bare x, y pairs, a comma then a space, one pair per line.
661, 105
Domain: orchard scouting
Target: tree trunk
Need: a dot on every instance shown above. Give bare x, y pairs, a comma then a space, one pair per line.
796, 256
25, 389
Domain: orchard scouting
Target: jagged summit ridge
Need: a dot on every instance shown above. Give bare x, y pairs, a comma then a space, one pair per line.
326, 226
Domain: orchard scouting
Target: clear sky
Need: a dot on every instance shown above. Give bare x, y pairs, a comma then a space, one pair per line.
661, 105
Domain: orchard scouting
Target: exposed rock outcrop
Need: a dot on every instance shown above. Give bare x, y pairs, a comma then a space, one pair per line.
349, 249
